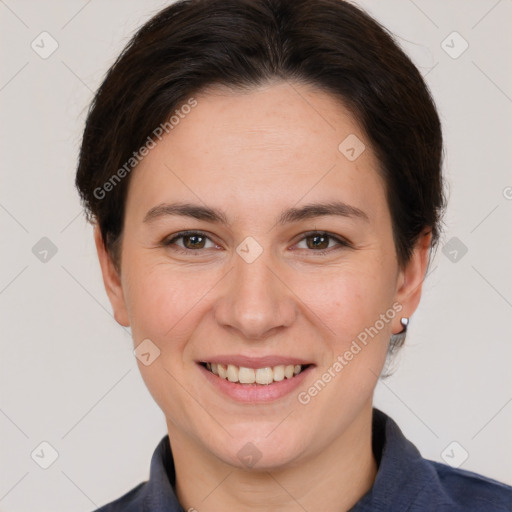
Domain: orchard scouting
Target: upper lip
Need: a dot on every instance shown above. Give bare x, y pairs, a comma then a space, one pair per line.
255, 362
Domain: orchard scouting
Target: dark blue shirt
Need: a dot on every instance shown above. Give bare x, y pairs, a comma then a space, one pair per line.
405, 482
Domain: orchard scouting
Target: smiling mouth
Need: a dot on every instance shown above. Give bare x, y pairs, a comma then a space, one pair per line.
263, 376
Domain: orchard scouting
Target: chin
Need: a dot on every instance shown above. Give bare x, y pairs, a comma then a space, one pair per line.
262, 449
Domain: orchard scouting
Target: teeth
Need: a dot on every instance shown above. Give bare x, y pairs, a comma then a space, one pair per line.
279, 372
221, 371
232, 373
245, 375
264, 375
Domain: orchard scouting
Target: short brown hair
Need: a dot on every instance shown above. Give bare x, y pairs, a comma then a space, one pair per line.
330, 44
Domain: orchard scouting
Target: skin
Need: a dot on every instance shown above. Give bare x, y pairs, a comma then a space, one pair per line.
253, 154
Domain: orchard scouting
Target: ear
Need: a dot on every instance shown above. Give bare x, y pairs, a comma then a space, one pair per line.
411, 277
111, 280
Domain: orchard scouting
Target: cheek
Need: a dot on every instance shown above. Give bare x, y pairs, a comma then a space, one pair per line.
355, 306
166, 304
347, 299
163, 302
355, 303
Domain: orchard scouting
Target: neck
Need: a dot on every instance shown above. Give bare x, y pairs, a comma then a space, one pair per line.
334, 479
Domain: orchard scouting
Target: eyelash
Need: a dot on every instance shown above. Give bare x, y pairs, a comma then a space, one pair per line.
340, 241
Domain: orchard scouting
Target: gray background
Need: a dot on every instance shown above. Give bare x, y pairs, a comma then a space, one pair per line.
68, 375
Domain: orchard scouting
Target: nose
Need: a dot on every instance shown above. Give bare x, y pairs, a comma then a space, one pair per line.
256, 301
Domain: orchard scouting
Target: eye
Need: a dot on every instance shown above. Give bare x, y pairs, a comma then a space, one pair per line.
191, 241
319, 241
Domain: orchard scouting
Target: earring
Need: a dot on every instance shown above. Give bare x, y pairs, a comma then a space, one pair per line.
397, 340
405, 322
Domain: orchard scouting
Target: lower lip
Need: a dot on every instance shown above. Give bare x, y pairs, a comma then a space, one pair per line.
251, 393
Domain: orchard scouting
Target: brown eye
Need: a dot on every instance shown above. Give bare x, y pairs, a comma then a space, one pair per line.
190, 241
322, 242
193, 241
317, 241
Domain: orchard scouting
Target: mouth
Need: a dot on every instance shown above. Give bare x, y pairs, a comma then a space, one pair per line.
259, 376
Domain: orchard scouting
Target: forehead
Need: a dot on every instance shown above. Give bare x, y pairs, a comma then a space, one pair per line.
282, 119
273, 144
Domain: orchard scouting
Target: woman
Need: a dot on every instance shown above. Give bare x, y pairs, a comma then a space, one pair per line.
265, 181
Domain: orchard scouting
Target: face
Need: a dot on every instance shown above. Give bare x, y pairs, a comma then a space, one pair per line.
262, 279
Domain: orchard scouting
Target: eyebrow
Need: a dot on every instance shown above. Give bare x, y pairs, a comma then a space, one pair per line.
309, 211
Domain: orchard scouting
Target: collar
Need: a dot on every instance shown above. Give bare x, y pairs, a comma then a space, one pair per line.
403, 474
158, 492
405, 481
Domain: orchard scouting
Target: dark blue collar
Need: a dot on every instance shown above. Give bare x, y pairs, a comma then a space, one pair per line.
405, 481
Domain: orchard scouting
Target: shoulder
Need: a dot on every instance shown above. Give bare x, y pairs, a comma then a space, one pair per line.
129, 502
407, 482
458, 489
157, 493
